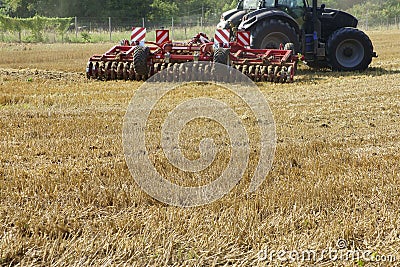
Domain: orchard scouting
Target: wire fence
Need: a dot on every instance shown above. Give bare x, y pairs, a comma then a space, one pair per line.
123, 24
108, 29
382, 23
95, 29
185, 24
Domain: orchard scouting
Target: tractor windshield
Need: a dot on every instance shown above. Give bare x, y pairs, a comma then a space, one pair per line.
250, 4
291, 3
269, 3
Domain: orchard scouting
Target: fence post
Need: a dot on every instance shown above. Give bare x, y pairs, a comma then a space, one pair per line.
109, 27
76, 27
202, 15
143, 22
172, 28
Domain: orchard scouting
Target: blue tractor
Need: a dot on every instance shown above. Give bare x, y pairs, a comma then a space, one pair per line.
326, 37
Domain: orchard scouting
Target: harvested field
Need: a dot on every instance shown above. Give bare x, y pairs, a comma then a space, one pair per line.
67, 197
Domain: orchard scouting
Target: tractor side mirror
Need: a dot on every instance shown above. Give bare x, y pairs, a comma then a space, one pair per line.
323, 7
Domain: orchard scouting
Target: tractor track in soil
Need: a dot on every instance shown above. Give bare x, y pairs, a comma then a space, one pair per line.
28, 74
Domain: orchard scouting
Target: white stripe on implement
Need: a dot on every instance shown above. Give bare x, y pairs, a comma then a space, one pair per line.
138, 34
243, 38
141, 36
136, 29
162, 36
222, 36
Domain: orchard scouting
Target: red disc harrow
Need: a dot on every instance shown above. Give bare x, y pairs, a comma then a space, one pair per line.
138, 59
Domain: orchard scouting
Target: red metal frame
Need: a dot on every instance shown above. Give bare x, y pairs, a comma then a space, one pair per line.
181, 52
195, 50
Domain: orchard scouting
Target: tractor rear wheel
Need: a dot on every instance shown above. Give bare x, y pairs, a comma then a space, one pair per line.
140, 60
349, 49
272, 33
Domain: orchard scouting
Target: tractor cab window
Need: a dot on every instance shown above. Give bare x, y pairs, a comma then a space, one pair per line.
251, 4
295, 8
240, 5
291, 3
269, 3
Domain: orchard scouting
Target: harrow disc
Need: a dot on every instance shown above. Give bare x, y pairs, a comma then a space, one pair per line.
290, 74
132, 74
125, 71
120, 68
182, 72
102, 70
113, 71
95, 72
270, 74
107, 71
176, 72
137, 71
277, 74
264, 73
283, 76
257, 73
251, 72
89, 70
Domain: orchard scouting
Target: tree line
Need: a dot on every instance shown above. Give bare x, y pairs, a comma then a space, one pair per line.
376, 11
153, 10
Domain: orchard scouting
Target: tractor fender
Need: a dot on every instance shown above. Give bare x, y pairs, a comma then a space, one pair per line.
231, 17
263, 14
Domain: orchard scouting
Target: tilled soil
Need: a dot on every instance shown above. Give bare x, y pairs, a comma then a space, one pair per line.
29, 74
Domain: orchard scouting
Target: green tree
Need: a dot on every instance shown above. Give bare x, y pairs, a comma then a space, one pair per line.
19, 8
161, 9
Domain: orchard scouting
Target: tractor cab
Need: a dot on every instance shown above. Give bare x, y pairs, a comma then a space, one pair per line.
294, 8
257, 4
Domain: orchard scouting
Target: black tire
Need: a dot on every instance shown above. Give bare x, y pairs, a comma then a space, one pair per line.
349, 49
221, 55
140, 60
271, 33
